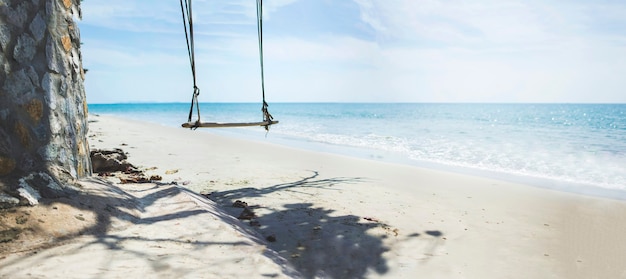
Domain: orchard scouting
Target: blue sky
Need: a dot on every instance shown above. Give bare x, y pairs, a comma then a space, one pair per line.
359, 51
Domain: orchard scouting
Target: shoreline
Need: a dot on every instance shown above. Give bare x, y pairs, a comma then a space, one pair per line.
389, 157
384, 156
426, 221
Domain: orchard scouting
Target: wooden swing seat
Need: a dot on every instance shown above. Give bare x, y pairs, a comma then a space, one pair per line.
226, 124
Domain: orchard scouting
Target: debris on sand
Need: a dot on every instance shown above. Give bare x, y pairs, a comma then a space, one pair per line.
108, 163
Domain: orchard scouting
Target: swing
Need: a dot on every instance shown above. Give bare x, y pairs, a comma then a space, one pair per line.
267, 117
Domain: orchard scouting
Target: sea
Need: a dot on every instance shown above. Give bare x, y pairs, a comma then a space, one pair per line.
579, 148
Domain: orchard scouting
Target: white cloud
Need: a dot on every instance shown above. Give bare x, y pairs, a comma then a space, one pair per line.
133, 16
272, 6
465, 23
546, 51
423, 51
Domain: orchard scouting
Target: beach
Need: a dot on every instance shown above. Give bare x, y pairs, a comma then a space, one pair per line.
320, 215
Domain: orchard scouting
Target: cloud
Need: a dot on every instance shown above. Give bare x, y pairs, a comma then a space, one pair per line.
392, 50
465, 23
529, 51
166, 17
274, 5
132, 16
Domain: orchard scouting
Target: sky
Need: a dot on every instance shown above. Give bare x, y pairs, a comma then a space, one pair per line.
513, 51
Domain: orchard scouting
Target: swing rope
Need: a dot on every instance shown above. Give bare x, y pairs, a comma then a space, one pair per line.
267, 117
186, 9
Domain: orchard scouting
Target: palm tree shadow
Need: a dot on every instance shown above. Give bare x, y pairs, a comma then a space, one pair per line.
317, 242
306, 182
112, 206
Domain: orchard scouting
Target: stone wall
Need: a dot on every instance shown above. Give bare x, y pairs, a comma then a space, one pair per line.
43, 110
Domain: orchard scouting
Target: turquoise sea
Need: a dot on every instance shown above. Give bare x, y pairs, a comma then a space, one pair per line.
571, 147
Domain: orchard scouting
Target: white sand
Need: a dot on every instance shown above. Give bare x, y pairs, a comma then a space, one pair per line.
332, 217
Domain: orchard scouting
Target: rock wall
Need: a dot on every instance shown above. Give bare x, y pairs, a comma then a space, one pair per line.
43, 110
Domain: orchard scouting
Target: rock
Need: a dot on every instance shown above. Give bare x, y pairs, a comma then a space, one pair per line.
38, 28
156, 178
7, 165
4, 66
56, 63
271, 238
34, 77
28, 193
4, 114
18, 83
50, 83
5, 35
34, 186
240, 204
18, 16
246, 214
109, 161
34, 108
7, 201
24, 49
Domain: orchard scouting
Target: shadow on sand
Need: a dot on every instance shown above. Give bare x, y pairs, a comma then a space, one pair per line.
317, 241
118, 211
